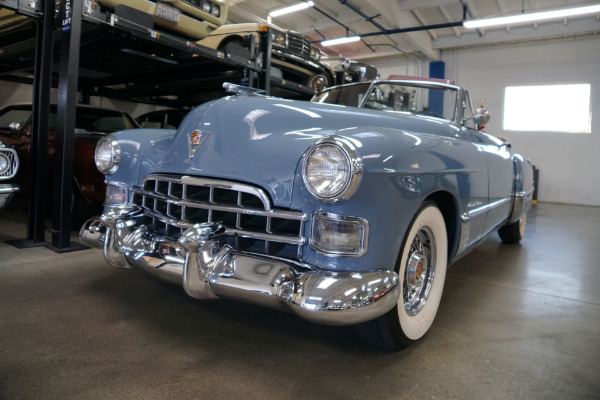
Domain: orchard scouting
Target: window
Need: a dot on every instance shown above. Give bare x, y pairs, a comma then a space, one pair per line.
14, 115
548, 108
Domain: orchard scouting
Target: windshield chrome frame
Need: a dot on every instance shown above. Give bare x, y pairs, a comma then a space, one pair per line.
458, 105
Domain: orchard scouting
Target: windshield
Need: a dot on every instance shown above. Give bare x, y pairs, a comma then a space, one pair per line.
87, 119
429, 100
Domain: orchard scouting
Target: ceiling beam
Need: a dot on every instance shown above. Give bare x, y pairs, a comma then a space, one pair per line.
546, 30
409, 5
393, 15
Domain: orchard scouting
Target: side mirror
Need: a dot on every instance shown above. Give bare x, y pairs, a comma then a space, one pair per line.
482, 116
14, 127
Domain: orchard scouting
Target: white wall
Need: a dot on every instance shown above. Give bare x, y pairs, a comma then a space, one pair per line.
401, 65
13, 93
569, 164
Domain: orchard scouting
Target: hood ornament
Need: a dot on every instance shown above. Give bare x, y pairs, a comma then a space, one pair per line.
239, 89
196, 141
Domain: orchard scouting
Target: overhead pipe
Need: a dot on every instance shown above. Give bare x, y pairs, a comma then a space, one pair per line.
340, 24
412, 29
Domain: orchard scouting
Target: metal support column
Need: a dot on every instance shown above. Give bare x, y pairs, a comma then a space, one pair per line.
38, 160
266, 49
65, 126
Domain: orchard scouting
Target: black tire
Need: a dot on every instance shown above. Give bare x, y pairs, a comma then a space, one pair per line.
421, 269
513, 233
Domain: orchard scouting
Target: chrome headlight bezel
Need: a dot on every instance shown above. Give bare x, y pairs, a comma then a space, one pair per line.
353, 163
107, 155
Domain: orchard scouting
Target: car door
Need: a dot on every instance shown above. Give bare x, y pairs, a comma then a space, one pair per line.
500, 173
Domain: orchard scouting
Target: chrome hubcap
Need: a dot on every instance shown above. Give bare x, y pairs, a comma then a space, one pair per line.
419, 272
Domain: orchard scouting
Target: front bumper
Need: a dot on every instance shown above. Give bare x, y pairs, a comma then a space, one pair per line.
207, 268
7, 191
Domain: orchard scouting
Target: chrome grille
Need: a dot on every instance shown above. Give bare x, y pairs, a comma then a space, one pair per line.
13, 162
298, 44
174, 203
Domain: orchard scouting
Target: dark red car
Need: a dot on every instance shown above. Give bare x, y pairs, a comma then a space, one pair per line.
91, 123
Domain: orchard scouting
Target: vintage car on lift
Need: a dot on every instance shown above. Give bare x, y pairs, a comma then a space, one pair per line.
344, 213
195, 19
9, 165
91, 123
294, 58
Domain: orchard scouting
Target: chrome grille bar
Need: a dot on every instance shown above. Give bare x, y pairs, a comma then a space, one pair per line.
298, 44
175, 203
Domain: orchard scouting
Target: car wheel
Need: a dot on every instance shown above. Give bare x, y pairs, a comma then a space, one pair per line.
422, 271
235, 47
319, 82
514, 232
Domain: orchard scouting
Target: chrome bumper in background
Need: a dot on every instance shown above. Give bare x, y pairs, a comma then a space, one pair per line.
207, 268
7, 191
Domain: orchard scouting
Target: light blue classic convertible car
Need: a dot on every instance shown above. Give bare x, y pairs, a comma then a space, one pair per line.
345, 210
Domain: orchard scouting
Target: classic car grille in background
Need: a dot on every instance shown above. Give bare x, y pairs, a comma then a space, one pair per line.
174, 203
298, 44
11, 156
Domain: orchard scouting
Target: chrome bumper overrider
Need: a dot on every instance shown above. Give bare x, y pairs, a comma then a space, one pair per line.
521, 204
207, 268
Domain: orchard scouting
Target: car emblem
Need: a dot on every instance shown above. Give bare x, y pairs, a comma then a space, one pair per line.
197, 139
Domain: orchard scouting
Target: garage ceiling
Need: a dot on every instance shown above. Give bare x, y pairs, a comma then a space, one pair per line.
332, 18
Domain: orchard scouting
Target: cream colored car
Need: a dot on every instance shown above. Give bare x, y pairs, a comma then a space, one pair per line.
192, 18
292, 53
9, 18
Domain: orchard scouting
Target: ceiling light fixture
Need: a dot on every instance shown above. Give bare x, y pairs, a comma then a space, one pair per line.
342, 40
291, 9
531, 17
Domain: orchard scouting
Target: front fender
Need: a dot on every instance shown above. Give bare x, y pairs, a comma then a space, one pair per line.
134, 143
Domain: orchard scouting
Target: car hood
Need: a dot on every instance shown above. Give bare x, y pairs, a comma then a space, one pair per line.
255, 139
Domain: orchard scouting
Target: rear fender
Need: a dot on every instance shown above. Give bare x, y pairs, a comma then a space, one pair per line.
522, 194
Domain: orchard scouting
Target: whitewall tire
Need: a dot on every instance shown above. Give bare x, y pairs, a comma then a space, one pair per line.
422, 271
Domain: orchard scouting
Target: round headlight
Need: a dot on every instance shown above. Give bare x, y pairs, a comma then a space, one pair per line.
216, 11
315, 53
107, 154
4, 164
332, 170
206, 6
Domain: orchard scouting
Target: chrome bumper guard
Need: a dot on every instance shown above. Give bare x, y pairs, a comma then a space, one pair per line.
521, 204
207, 268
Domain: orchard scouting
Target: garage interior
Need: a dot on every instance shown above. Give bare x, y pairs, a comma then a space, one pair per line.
514, 322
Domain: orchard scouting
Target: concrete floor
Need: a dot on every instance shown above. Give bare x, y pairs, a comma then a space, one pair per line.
516, 322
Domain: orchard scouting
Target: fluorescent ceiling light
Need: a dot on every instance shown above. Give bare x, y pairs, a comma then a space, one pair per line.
531, 17
291, 9
342, 40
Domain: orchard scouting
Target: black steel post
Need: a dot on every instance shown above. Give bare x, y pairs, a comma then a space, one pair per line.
38, 156
266, 49
65, 125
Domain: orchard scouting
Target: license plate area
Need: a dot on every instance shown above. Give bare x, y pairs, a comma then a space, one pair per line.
167, 12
